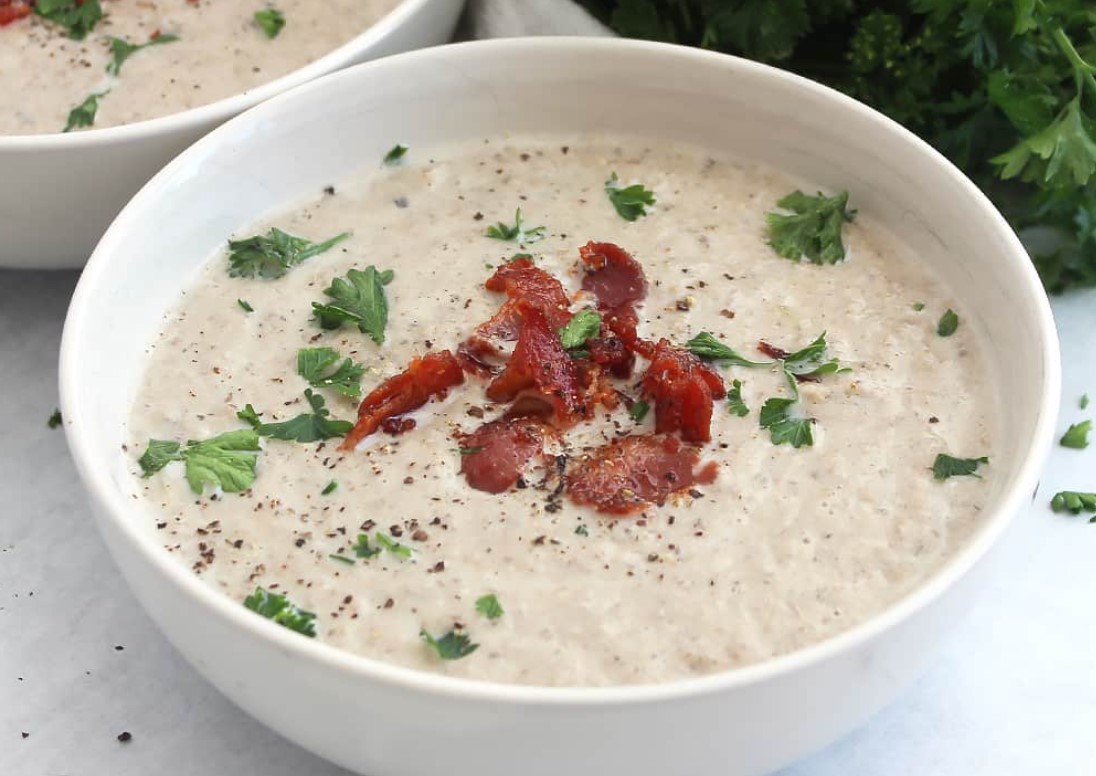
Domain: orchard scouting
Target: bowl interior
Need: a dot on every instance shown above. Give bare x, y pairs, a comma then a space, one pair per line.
318, 134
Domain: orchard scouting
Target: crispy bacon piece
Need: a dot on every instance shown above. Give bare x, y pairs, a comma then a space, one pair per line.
539, 377
523, 282
682, 388
495, 454
612, 275
772, 351
477, 355
425, 377
611, 354
629, 474
13, 10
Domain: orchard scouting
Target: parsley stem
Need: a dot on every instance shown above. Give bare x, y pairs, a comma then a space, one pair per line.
1082, 70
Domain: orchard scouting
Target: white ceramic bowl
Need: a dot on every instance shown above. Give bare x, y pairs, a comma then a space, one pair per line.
390, 721
59, 192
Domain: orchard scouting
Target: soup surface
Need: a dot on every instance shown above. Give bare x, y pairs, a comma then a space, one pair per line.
220, 49
786, 547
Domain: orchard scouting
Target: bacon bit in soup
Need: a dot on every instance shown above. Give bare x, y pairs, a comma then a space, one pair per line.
682, 389
499, 451
426, 377
628, 475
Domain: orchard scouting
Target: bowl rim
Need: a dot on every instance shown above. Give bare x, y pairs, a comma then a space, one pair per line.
218, 111
113, 506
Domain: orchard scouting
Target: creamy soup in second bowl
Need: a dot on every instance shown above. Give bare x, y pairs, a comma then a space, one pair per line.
574, 410
70, 65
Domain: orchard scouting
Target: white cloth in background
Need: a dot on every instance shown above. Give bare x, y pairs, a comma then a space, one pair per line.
513, 18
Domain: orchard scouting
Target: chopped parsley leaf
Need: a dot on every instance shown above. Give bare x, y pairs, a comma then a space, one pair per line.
315, 366
734, 400
360, 300
394, 156
273, 254
226, 461
470, 450
582, 531
83, 115
489, 606
329, 488
250, 416
270, 21
918, 306
78, 18
1083, 402
946, 466
1074, 502
501, 231
342, 559
516, 256
393, 546
121, 50
811, 361
639, 411
452, 646
630, 201
707, 347
363, 550
1077, 435
307, 427
584, 325
54, 419
245, 306
812, 229
783, 427
949, 322
279, 609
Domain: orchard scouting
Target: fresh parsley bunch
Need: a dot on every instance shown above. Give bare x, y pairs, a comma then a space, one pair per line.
1007, 90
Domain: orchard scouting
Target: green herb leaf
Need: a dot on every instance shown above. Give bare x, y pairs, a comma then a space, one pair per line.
78, 18
584, 325
249, 416
245, 306
316, 366
452, 646
734, 400
582, 531
121, 50
83, 115
270, 21
393, 546
813, 229
630, 201
639, 411
273, 254
394, 156
946, 466
226, 461
949, 322
329, 488
470, 450
158, 454
341, 559
918, 306
54, 420
1083, 402
489, 606
312, 426
783, 427
518, 232
1077, 435
1063, 153
1074, 502
360, 299
707, 347
363, 550
279, 609
812, 361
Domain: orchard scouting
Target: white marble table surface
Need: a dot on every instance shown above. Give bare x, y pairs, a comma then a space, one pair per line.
1014, 692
